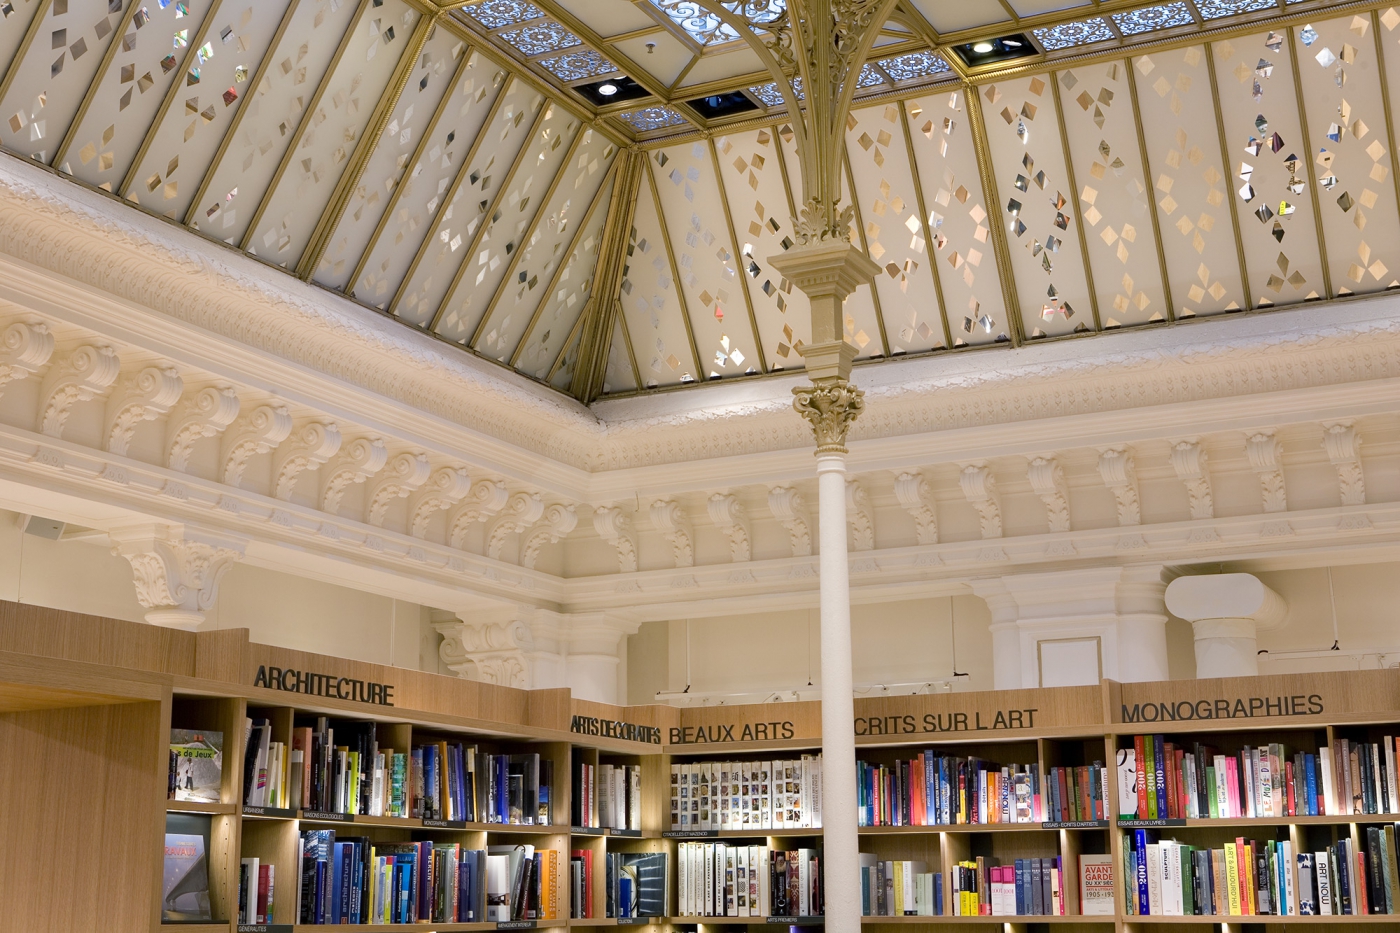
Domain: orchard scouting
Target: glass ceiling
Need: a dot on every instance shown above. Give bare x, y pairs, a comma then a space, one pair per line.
437, 164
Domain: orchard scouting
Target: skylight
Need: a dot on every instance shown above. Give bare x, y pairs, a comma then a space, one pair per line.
706, 28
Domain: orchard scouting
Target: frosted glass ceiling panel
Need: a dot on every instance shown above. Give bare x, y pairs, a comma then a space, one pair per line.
171, 47
267, 125
406, 131
958, 220
563, 306
651, 301
1269, 171
14, 26
1352, 160
1037, 206
705, 260
345, 104
758, 202
1190, 181
428, 187
1113, 204
510, 223
894, 235
618, 376
192, 127
528, 277
485, 171
48, 84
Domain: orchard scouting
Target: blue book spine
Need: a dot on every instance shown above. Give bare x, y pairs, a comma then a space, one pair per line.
405, 881
1140, 850
352, 860
337, 879
425, 881
945, 779
1021, 880
938, 893
462, 887
1310, 767
929, 811
624, 890
320, 913
430, 783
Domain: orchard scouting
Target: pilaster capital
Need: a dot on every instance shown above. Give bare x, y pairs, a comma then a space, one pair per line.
488, 646
177, 569
830, 408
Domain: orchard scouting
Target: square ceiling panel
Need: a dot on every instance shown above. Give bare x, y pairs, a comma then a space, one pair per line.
608, 17
731, 62
1026, 8
664, 61
953, 15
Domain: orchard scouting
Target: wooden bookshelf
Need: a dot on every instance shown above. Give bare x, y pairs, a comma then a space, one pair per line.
93, 700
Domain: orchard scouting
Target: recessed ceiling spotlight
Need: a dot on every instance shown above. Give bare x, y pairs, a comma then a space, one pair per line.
607, 90
999, 49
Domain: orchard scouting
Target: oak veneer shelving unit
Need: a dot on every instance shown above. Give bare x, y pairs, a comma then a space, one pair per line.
86, 695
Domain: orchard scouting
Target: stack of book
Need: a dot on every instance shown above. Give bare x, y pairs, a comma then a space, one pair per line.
356, 880
637, 885
1248, 877
1074, 795
720, 880
932, 790
747, 795
899, 888
256, 891
1173, 783
267, 768
607, 796
1029, 887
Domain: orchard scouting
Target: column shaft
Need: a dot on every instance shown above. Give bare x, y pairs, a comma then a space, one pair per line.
840, 840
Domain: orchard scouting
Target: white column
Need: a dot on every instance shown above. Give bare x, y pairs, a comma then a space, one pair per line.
1226, 612
840, 842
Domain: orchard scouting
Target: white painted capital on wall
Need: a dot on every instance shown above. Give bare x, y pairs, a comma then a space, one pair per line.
176, 569
1226, 612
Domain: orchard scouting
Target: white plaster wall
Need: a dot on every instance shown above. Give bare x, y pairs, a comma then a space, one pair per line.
277, 608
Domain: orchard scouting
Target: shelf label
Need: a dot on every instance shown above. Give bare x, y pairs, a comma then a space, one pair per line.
634, 833
322, 816
1075, 824
324, 685
615, 729
444, 824
1223, 708
636, 921
586, 831
517, 924
264, 928
691, 834
1149, 824
276, 812
798, 921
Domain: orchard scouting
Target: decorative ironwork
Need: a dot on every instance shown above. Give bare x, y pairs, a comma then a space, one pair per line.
1215, 9
915, 65
1067, 35
706, 27
651, 118
575, 66
494, 14
539, 38
1151, 18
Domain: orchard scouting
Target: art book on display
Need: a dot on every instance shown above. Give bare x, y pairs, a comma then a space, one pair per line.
1096, 884
196, 764
185, 886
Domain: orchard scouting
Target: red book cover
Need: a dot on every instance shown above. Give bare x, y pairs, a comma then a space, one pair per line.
1362, 894
916, 790
1168, 760
1141, 758
1288, 783
264, 892
1065, 804
1086, 806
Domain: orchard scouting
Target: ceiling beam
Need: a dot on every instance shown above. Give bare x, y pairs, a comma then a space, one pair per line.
487, 216
107, 56
506, 86
255, 82
540, 204
627, 343
592, 365
602, 196
369, 141
306, 116
1385, 101
429, 133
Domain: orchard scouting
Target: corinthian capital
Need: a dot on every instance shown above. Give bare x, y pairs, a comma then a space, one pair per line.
176, 570
487, 647
830, 408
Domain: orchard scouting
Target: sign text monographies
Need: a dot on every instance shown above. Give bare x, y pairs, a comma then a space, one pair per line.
748, 732
615, 729
1240, 708
324, 685
945, 722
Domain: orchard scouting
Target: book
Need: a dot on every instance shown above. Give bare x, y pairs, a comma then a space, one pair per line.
185, 880
1096, 883
196, 765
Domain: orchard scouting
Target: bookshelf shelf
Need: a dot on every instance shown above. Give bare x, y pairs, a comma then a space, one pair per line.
1264, 821
194, 806
1236, 920
997, 920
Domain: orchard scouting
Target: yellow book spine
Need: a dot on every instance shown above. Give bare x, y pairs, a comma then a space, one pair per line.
1232, 878
1251, 883
899, 889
